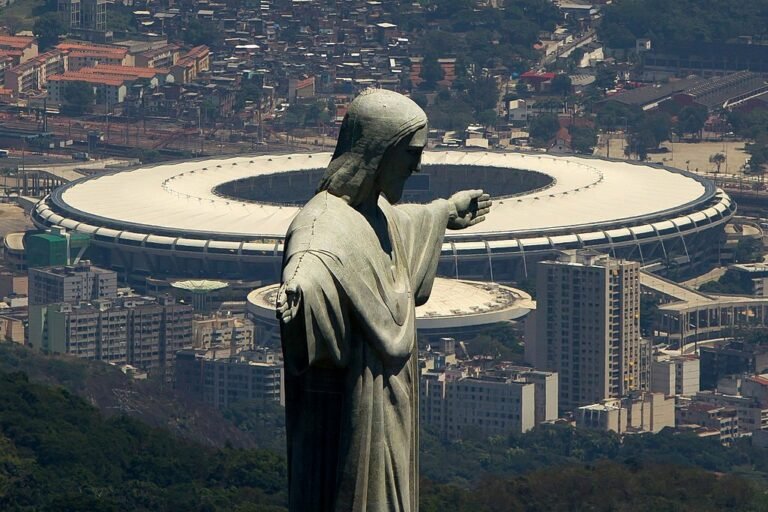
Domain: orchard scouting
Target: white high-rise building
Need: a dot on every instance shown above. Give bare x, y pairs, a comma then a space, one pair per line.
588, 327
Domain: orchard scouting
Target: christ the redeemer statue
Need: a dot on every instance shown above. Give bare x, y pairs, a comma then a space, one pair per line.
354, 268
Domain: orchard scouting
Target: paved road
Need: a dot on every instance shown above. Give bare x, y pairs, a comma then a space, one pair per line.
13, 219
712, 275
15, 162
68, 171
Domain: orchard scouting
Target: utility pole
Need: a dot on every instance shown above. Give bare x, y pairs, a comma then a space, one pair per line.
200, 127
23, 169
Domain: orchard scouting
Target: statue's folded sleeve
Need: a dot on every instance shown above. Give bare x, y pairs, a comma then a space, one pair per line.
320, 334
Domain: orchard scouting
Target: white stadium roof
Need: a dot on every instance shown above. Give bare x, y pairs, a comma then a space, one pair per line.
453, 303
177, 199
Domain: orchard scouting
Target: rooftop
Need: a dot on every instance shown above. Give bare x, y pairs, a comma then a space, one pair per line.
124, 71
89, 49
200, 285
466, 302
91, 78
654, 93
17, 42
179, 197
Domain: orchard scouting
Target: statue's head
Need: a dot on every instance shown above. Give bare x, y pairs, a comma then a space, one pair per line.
380, 144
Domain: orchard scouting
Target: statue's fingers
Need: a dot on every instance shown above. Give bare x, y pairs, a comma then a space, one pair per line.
484, 204
482, 212
477, 220
484, 197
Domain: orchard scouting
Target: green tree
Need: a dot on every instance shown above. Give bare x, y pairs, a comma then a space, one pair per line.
617, 116
201, 32
605, 78
487, 117
718, 159
654, 129
13, 23
561, 85
296, 116
484, 94
583, 139
758, 152
79, 98
248, 91
691, 121
521, 88
47, 29
543, 128
748, 250
682, 22
431, 72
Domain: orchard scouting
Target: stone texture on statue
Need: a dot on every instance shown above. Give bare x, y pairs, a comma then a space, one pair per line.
354, 268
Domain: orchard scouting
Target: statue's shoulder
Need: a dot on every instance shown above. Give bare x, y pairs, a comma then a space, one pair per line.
325, 210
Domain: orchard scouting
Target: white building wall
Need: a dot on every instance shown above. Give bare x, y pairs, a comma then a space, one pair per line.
688, 376
662, 412
663, 377
527, 407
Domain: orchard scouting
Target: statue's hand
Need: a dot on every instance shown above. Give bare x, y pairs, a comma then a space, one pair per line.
288, 302
471, 208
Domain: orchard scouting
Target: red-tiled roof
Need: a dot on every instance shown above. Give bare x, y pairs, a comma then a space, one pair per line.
537, 75
125, 71
93, 50
92, 78
198, 51
18, 42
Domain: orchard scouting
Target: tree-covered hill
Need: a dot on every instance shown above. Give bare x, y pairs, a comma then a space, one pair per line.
114, 393
682, 21
57, 453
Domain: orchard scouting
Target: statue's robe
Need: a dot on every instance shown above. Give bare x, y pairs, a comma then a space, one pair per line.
351, 358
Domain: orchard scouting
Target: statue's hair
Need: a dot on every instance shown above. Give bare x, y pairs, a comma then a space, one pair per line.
376, 121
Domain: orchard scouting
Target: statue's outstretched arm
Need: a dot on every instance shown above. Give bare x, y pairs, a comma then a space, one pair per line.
471, 207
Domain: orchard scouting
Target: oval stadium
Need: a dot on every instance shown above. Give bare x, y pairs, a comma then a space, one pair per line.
225, 218
456, 309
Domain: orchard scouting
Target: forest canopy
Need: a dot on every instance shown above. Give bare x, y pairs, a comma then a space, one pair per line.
682, 21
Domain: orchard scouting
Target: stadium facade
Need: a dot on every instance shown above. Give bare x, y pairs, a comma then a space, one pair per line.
226, 218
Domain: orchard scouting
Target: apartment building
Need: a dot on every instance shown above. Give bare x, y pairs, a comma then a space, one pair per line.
721, 421
144, 332
13, 284
191, 64
163, 57
675, 375
752, 412
645, 412
33, 74
71, 283
222, 331
756, 387
84, 14
587, 327
110, 82
19, 48
12, 328
493, 403
220, 378
108, 90
85, 55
